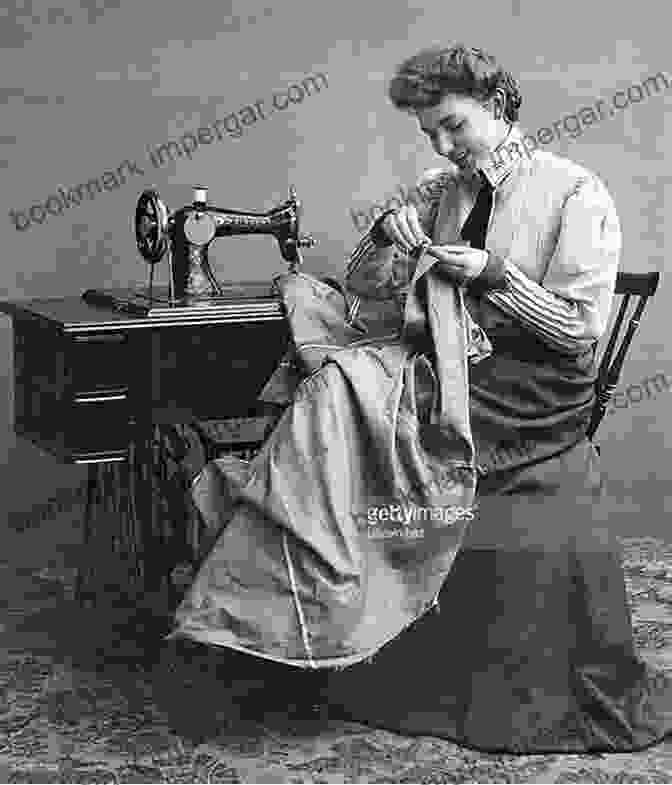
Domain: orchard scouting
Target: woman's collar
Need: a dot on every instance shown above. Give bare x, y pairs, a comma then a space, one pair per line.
505, 157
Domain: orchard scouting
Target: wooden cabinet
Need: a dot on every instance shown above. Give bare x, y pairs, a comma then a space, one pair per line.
87, 379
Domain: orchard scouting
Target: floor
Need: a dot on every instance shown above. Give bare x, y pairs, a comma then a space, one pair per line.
83, 701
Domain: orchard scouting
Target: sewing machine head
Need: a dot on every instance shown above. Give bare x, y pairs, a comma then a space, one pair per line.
186, 234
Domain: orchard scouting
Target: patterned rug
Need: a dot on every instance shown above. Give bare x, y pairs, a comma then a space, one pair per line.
82, 701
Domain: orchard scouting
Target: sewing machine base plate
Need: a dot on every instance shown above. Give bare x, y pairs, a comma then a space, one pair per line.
254, 297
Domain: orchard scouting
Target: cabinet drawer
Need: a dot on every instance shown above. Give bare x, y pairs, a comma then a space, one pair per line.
216, 370
98, 361
99, 422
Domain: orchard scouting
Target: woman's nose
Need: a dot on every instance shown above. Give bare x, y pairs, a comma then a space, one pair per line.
442, 143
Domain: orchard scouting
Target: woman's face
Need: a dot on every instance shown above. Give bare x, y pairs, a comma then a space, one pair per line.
462, 130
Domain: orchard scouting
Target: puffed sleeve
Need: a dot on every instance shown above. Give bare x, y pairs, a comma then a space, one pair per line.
569, 309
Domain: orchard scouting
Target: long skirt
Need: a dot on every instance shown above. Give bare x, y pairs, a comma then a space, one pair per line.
531, 646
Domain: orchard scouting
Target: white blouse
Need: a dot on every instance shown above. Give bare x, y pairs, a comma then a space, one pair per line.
554, 234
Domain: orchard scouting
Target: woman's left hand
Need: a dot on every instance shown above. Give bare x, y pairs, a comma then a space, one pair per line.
459, 262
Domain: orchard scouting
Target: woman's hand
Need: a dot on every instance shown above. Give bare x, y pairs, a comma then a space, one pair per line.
404, 229
459, 262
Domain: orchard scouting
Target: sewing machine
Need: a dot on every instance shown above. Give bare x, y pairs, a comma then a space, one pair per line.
97, 376
184, 237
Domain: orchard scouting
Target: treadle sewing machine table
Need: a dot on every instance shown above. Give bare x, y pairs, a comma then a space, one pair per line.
92, 384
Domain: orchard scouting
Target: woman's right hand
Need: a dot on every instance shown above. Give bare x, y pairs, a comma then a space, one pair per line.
403, 228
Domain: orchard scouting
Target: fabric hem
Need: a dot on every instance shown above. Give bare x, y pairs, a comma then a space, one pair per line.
498, 750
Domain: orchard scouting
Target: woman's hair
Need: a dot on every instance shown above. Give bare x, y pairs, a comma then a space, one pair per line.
426, 78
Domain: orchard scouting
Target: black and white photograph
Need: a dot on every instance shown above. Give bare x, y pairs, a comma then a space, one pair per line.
333, 444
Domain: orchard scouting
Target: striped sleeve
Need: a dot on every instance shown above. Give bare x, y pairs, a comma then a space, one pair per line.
569, 309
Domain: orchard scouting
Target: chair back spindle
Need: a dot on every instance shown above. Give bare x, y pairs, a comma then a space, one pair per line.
642, 285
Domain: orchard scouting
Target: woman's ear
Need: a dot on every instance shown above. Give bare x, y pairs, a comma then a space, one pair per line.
499, 103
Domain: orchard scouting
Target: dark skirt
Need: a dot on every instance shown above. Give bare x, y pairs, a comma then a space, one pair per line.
531, 648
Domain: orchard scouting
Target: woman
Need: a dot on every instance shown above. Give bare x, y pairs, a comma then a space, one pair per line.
532, 650
505, 271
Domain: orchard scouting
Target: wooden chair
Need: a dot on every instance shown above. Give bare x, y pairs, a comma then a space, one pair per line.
628, 285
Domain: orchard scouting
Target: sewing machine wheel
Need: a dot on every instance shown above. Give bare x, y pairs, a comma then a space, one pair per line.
151, 226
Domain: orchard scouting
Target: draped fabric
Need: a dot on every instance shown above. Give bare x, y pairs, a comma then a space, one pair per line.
340, 532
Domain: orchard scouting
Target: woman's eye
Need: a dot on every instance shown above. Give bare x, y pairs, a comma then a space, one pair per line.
446, 127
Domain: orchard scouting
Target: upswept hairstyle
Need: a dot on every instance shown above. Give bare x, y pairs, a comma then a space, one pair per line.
423, 80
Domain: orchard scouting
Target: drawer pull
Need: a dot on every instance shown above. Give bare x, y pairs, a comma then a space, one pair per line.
100, 338
104, 458
100, 398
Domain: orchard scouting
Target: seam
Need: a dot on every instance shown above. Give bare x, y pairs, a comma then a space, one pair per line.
297, 602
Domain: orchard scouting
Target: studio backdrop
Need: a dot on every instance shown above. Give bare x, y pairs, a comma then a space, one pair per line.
101, 100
